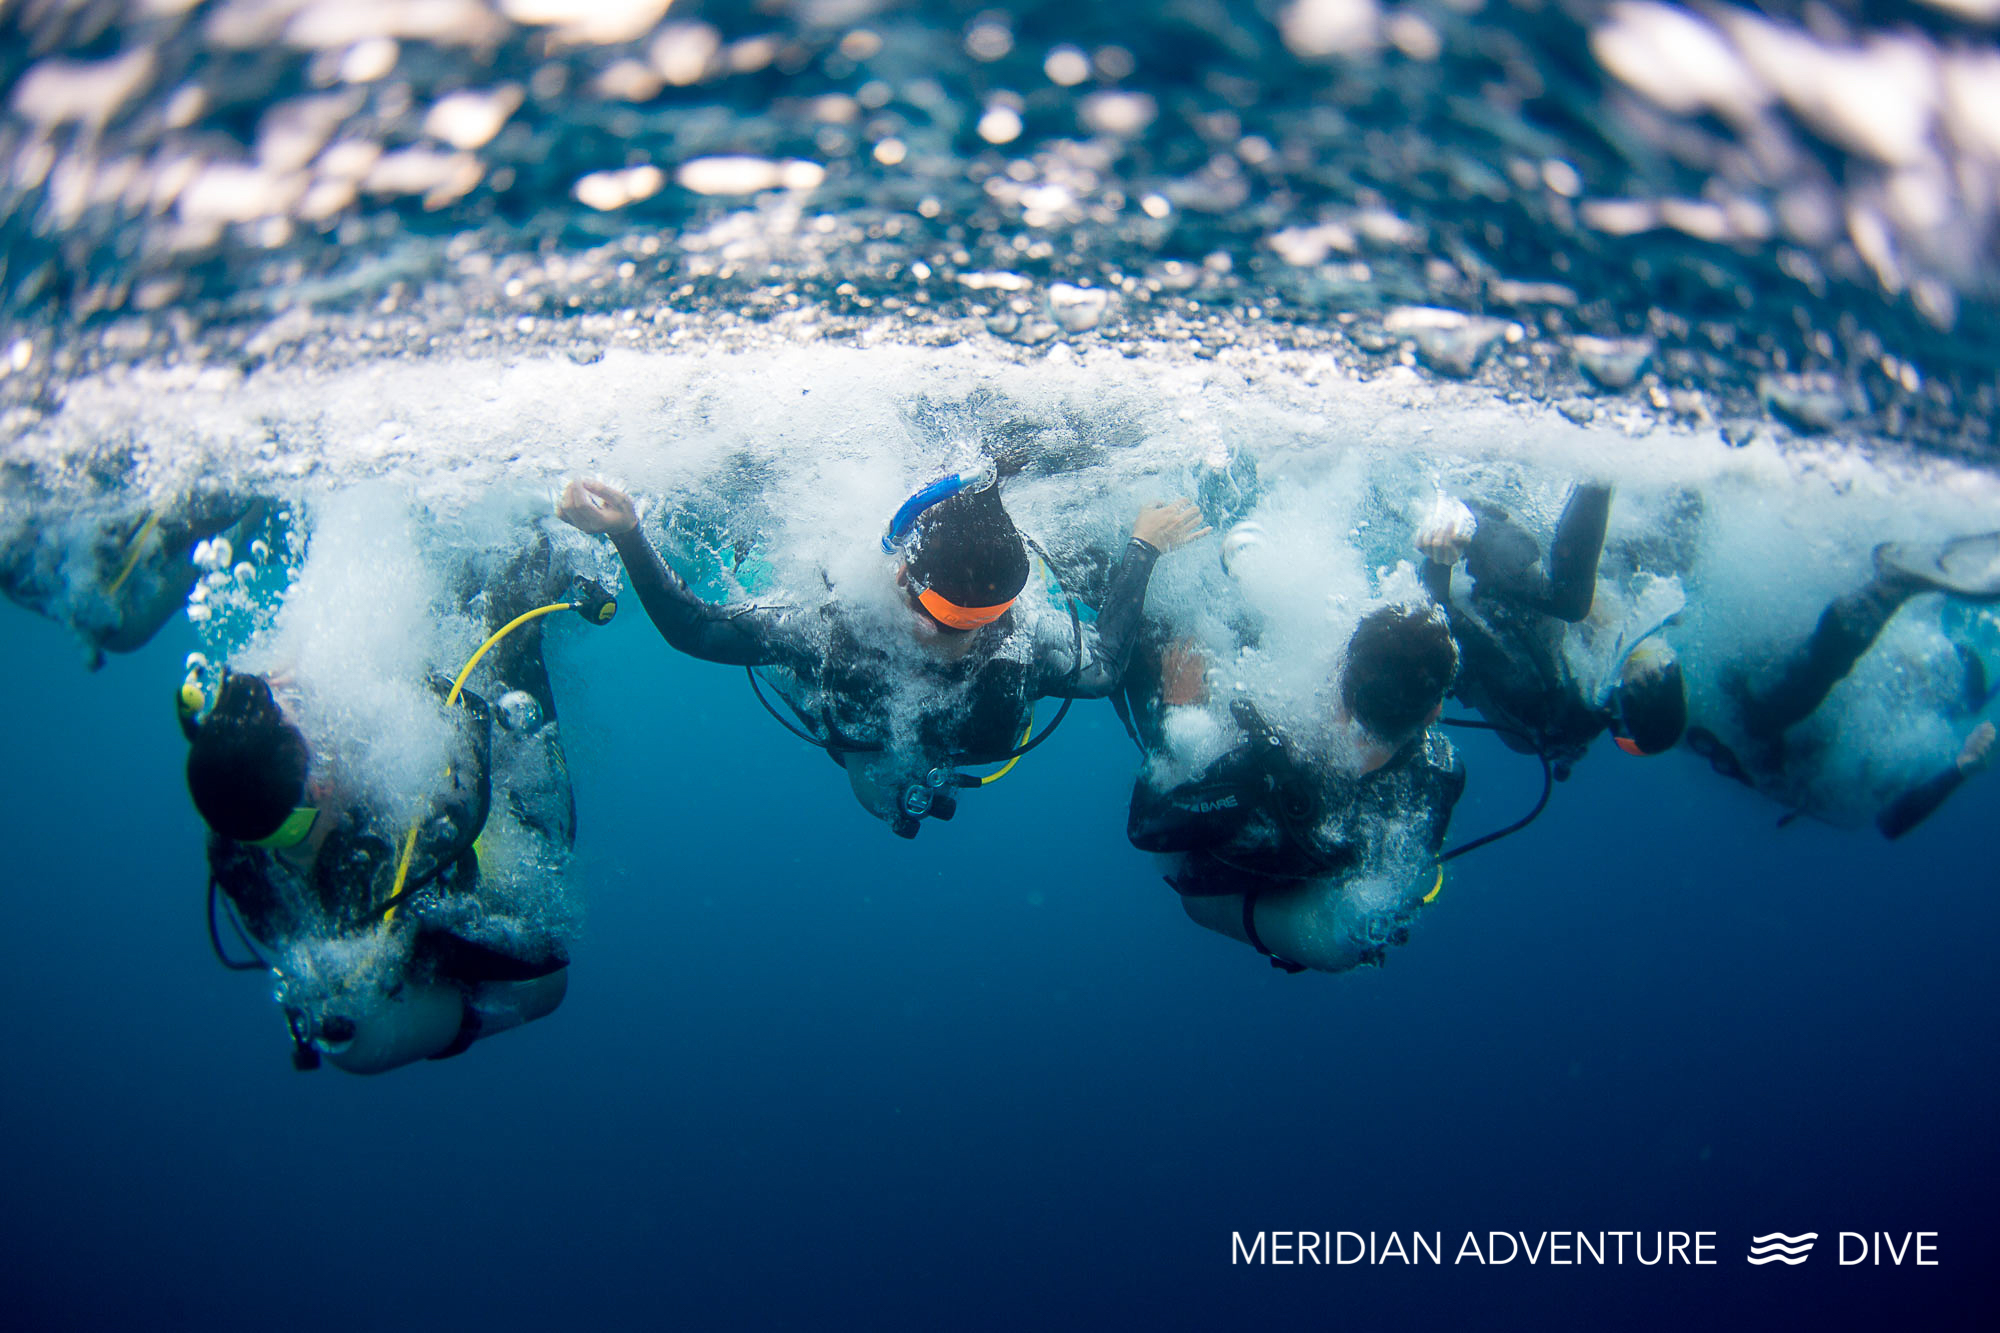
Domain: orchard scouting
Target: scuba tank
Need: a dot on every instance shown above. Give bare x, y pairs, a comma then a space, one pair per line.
432, 1021
415, 1023
1319, 924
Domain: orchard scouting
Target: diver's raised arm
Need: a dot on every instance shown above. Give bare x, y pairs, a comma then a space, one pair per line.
1436, 578
1441, 540
597, 508
734, 636
1573, 555
1107, 646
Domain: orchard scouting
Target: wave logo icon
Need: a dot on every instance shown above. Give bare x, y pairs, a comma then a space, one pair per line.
1778, 1248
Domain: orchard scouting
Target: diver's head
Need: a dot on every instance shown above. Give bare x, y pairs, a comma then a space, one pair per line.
966, 561
1400, 661
1649, 708
246, 768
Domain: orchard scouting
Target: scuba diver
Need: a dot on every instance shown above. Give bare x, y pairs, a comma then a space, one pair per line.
1966, 569
947, 674
1314, 848
394, 942
117, 581
1545, 659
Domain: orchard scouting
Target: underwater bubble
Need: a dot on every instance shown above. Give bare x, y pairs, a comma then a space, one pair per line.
1244, 537
988, 40
1000, 124
519, 711
1066, 66
1077, 308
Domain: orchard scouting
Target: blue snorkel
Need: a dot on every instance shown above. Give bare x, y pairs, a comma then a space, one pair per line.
944, 488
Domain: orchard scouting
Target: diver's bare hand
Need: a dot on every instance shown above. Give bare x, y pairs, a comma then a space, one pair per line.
1169, 527
1978, 751
592, 506
1446, 532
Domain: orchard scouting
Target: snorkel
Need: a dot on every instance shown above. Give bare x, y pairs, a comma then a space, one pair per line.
900, 528
949, 608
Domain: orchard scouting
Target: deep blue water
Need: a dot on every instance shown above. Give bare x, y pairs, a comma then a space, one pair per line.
812, 1076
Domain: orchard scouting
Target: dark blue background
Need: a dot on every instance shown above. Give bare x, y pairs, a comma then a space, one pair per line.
809, 1075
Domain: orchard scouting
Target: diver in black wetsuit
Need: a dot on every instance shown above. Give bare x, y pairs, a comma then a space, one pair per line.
949, 675
1965, 567
1271, 840
118, 588
1512, 626
311, 871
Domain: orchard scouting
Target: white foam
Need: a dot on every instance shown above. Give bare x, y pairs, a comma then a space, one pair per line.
356, 637
808, 449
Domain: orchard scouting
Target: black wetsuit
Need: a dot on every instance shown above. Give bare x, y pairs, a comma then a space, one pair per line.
1017, 659
141, 573
1266, 817
351, 880
1901, 815
1919, 803
1846, 629
349, 883
1510, 629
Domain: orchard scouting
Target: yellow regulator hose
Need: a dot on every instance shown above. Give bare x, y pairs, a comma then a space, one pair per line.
410, 842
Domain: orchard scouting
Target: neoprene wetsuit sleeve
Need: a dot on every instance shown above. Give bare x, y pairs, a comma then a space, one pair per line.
1573, 555
1107, 645
1919, 803
1436, 578
735, 635
1847, 628
1506, 563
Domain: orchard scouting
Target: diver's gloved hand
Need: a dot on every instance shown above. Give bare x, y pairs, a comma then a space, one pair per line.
594, 507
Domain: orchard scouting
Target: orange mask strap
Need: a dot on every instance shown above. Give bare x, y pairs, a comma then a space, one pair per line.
961, 617
1629, 746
